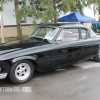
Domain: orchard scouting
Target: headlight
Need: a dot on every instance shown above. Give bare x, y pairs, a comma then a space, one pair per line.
0, 69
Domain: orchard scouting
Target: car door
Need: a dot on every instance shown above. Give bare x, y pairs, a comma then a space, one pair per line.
90, 46
69, 49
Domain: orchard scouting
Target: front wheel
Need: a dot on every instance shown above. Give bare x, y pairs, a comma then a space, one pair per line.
97, 57
21, 72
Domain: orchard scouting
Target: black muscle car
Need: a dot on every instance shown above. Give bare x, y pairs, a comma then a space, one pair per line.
50, 46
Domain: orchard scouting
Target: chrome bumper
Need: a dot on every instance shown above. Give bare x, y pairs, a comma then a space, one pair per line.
3, 75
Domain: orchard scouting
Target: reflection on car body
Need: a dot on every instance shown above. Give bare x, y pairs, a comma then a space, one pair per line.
50, 46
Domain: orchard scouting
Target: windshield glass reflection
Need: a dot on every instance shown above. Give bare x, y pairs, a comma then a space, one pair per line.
45, 32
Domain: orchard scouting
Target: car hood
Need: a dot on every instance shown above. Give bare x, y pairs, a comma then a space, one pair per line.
18, 45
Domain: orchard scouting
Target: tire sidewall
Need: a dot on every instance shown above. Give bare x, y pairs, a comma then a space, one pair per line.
97, 57
12, 76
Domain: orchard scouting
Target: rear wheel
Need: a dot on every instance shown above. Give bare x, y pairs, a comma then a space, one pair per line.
97, 57
21, 72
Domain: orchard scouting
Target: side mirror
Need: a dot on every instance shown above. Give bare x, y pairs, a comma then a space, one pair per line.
59, 40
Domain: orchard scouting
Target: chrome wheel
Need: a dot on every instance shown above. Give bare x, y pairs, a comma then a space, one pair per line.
22, 71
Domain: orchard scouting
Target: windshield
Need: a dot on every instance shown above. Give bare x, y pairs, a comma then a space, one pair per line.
45, 32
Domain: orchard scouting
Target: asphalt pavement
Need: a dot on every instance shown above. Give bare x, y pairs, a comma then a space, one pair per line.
80, 81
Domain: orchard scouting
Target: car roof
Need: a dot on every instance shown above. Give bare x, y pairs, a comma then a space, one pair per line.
74, 25
63, 25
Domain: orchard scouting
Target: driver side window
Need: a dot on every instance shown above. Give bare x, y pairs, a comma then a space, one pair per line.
69, 34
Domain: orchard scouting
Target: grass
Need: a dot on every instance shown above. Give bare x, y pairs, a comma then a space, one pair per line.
10, 39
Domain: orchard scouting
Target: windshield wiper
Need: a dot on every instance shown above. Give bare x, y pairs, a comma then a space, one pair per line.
38, 37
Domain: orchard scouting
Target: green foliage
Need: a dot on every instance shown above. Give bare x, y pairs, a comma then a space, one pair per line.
11, 39
2, 2
48, 10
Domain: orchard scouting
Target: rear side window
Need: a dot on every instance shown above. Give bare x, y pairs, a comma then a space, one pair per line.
83, 33
69, 34
92, 34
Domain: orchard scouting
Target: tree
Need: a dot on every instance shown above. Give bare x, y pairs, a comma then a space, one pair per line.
18, 22
2, 2
50, 9
1, 20
47, 10
19, 29
96, 4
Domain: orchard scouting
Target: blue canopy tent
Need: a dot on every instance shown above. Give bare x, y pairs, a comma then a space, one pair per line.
76, 17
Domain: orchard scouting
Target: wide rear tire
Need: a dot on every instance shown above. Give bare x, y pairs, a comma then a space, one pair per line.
97, 57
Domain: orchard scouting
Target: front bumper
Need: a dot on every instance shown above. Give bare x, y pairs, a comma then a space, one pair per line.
3, 75
4, 69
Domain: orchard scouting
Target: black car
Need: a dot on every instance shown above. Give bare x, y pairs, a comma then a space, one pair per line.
50, 46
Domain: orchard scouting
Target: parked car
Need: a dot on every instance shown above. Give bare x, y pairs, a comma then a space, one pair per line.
50, 46
96, 27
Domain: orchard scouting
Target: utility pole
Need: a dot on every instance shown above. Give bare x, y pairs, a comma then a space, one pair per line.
2, 28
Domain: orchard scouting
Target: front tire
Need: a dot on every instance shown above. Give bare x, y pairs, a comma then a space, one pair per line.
21, 72
97, 57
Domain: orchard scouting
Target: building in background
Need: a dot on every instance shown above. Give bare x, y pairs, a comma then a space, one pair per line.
10, 20
90, 12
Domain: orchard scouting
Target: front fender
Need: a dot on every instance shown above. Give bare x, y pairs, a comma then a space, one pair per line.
24, 57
